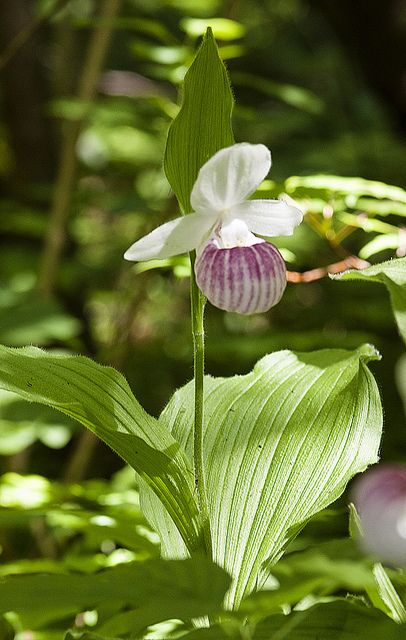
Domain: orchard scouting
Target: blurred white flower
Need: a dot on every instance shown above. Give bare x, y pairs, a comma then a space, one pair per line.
379, 496
236, 270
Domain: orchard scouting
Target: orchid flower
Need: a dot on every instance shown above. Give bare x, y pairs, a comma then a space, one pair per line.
379, 496
236, 270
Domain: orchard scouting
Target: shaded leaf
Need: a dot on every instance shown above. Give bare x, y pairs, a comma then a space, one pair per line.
37, 321
337, 620
393, 275
160, 589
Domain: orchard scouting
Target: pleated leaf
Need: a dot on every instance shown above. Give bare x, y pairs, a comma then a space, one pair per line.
100, 399
393, 275
203, 124
280, 444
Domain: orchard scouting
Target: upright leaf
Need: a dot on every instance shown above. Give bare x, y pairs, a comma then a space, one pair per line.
203, 124
393, 275
280, 444
100, 399
388, 594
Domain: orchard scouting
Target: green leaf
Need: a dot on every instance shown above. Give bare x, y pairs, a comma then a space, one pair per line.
41, 322
100, 399
160, 589
393, 275
366, 224
223, 28
280, 445
381, 243
338, 562
290, 94
337, 620
349, 187
203, 124
388, 594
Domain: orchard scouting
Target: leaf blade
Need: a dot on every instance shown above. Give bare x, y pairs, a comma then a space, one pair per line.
393, 275
188, 588
280, 445
203, 124
99, 398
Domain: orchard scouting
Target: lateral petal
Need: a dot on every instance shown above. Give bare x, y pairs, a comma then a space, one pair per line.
269, 217
172, 238
230, 176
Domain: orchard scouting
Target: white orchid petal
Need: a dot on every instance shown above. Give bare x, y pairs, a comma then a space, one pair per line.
172, 238
230, 176
269, 217
236, 234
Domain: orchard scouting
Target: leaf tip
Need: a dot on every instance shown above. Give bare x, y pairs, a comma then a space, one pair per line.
368, 352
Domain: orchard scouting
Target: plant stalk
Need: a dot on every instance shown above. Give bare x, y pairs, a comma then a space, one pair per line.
197, 313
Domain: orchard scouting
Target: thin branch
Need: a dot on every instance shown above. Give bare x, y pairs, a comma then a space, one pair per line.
65, 181
351, 262
22, 37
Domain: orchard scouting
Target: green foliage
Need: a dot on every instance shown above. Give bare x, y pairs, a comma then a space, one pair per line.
58, 536
101, 400
203, 124
280, 445
393, 275
387, 592
154, 590
338, 620
21, 425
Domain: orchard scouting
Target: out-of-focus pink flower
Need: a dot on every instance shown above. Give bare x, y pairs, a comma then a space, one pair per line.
379, 496
235, 269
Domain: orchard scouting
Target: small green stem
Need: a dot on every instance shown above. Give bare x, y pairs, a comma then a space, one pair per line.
197, 313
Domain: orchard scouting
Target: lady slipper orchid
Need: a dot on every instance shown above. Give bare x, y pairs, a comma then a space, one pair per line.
236, 270
379, 496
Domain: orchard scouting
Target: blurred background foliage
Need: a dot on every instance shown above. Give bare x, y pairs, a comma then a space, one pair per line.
87, 91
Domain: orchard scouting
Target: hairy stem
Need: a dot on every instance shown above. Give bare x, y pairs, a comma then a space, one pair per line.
197, 311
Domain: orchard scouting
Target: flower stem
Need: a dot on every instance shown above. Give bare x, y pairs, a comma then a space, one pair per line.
197, 313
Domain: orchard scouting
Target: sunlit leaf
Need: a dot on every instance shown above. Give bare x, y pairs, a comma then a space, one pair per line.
160, 54
380, 243
381, 207
203, 124
223, 28
100, 399
367, 224
393, 275
350, 187
280, 445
